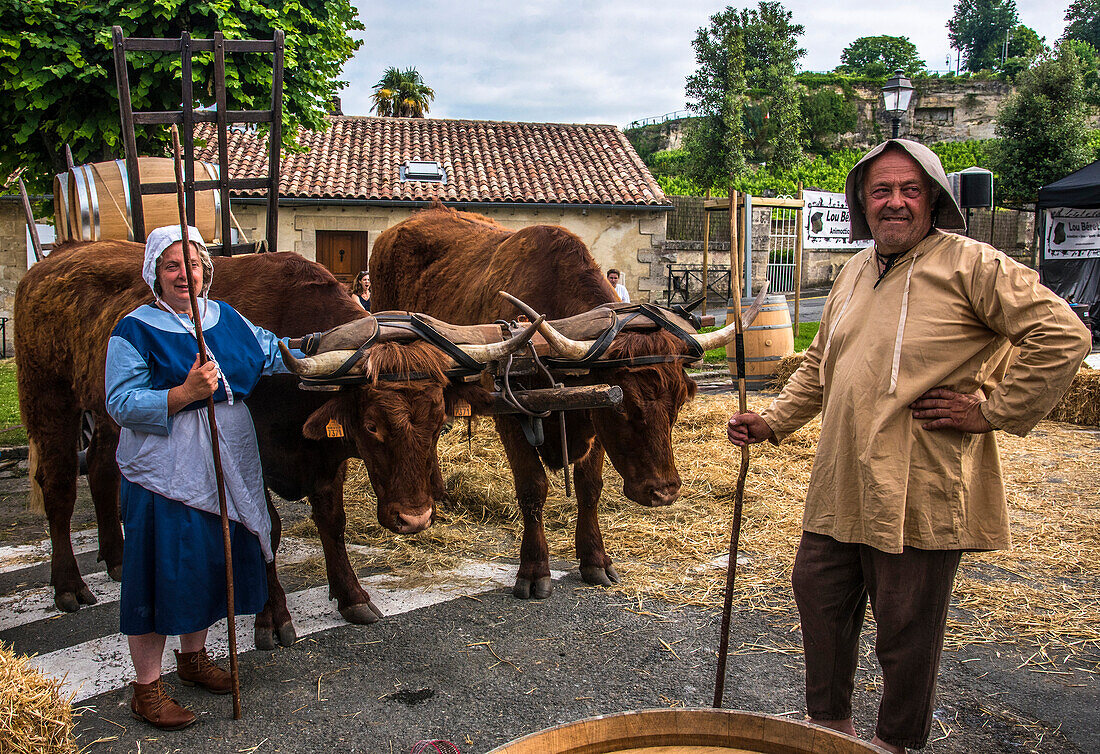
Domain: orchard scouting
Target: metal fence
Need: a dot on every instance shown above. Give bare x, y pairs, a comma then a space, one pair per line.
782, 244
685, 283
685, 223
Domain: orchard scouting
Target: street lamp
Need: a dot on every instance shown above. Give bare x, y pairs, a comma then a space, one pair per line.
895, 98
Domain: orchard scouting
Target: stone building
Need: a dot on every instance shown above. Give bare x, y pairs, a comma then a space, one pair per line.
366, 174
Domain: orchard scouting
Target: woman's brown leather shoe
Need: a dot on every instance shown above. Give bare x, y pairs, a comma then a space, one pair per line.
197, 669
152, 704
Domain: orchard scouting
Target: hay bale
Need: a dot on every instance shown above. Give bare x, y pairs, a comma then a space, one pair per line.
787, 366
33, 715
1081, 403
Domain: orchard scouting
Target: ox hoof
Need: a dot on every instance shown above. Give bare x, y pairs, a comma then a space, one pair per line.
525, 589
265, 639
598, 576
362, 614
70, 602
287, 634
115, 572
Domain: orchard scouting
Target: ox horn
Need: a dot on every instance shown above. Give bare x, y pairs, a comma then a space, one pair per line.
560, 344
321, 365
492, 351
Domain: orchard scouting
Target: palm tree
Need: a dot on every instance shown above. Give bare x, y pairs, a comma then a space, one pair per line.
402, 94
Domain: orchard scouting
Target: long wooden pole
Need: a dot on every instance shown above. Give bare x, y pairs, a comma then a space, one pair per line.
798, 260
739, 491
218, 474
706, 251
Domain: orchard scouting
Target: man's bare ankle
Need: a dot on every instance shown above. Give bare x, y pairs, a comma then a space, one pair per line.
842, 726
876, 741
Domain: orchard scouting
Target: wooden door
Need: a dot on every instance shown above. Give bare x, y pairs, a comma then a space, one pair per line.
343, 252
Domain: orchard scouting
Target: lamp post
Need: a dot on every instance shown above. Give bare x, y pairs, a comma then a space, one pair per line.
895, 98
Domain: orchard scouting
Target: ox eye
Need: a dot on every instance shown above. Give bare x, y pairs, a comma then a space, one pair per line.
372, 427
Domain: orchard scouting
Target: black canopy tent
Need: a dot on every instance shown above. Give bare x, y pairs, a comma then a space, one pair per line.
1076, 280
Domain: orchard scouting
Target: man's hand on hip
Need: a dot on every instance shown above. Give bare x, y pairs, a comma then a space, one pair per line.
950, 410
748, 428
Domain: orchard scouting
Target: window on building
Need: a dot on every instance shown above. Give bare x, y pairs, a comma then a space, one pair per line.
423, 170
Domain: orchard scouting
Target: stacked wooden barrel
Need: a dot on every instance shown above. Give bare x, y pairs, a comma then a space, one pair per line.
92, 202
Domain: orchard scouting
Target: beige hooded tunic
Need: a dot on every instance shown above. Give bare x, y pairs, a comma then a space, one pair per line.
946, 315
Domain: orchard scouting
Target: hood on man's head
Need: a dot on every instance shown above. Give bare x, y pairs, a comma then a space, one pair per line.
159, 240
946, 213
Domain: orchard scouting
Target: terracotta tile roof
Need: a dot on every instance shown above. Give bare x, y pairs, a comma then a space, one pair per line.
485, 161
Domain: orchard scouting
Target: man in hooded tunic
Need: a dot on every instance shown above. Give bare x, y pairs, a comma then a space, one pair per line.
928, 341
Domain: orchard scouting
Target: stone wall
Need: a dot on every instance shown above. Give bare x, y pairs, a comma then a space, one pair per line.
631, 241
13, 259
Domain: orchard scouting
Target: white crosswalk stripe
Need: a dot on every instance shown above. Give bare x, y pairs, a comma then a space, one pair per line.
102, 664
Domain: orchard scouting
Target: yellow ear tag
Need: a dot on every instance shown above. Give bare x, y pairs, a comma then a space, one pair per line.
462, 408
334, 428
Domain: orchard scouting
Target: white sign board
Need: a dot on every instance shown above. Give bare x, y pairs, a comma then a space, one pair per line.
825, 223
45, 235
1072, 234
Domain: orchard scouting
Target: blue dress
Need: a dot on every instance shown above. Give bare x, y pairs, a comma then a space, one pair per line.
173, 570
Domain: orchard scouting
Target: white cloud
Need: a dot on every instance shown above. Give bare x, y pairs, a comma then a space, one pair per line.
611, 61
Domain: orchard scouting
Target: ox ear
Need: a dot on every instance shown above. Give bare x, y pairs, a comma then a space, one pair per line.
335, 409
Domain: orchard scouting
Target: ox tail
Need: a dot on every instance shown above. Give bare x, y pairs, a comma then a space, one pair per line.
37, 502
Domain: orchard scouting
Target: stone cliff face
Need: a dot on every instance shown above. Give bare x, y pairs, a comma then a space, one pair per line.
940, 110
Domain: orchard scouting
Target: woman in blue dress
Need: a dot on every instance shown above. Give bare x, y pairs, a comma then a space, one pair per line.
173, 570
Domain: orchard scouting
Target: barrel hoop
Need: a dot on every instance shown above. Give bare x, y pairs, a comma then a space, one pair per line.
125, 175
755, 359
88, 220
769, 327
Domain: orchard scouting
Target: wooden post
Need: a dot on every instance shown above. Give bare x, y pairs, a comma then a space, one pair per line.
797, 260
735, 248
36, 244
706, 250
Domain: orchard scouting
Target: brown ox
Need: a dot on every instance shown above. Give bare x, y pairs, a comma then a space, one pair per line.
451, 265
68, 304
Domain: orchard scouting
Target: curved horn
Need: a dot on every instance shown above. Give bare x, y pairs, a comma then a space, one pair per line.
717, 338
492, 351
560, 344
314, 366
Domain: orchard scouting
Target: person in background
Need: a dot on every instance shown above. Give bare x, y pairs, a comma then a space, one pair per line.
928, 341
613, 277
173, 570
360, 289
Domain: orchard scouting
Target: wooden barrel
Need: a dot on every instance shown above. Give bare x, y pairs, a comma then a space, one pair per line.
687, 731
767, 340
61, 207
100, 207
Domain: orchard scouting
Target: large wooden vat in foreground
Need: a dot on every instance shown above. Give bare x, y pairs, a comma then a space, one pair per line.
687, 731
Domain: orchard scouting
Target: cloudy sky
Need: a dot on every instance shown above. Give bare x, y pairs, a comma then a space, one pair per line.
605, 61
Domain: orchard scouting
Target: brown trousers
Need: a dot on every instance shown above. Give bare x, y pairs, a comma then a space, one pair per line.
909, 595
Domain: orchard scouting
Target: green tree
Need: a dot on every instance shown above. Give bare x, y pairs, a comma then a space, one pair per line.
57, 80
1041, 129
1083, 22
772, 54
979, 29
877, 57
826, 113
715, 141
742, 50
1024, 48
1089, 59
402, 94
